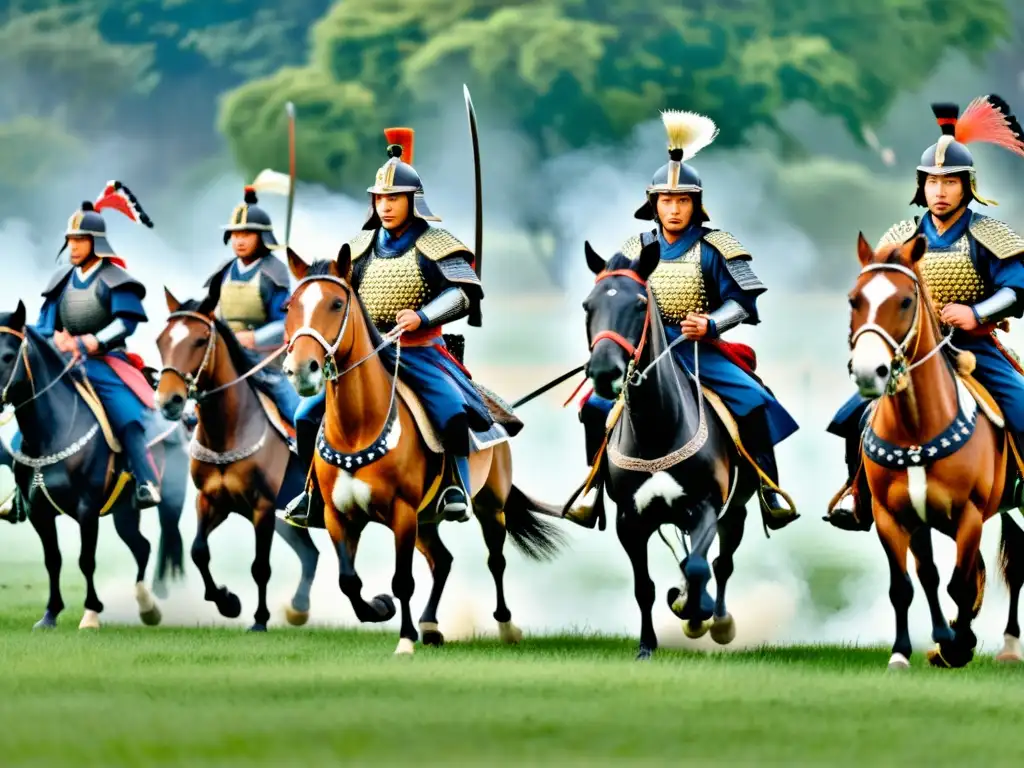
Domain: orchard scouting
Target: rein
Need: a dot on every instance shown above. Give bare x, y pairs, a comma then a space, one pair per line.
192, 380
23, 355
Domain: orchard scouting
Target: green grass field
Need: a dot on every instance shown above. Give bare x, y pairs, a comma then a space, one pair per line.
136, 696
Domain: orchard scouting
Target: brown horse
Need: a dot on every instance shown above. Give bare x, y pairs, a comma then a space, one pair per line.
378, 466
933, 458
240, 461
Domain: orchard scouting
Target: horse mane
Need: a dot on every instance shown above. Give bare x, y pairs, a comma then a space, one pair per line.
325, 268
240, 357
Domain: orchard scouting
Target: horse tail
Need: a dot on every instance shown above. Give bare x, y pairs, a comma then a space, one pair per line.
537, 539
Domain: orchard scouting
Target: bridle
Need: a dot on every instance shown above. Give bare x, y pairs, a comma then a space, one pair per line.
634, 351
900, 366
191, 380
23, 356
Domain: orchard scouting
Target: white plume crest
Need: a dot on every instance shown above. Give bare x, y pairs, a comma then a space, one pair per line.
688, 131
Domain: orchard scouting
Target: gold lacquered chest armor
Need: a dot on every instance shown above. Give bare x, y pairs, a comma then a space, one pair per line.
678, 285
950, 275
390, 285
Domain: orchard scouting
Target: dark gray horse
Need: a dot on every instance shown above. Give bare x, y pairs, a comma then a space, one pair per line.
63, 466
669, 458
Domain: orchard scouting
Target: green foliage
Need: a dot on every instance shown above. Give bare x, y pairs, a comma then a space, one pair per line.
31, 150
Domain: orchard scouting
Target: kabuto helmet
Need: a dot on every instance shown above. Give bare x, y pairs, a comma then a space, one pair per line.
397, 176
249, 217
987, 119
87, 221
688, 133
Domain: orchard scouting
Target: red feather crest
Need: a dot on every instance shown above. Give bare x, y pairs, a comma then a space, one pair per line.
117, 197
988, 119
404, 138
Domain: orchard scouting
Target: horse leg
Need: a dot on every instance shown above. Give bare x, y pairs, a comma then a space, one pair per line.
89, 523
345, 533
44, 522
699, 606
302, 544
634, 534
263, 523
895, 542
730, 534
440, 561
126, 523
1011, 561
403, 525
170, 558
928, 573
492, 524
208, 517
963, 588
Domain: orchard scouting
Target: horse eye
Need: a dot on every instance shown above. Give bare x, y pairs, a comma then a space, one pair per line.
8, 357
586, 306
853, 301
199, 343
905, 304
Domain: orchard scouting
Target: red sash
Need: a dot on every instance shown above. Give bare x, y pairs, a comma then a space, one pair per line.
131, 374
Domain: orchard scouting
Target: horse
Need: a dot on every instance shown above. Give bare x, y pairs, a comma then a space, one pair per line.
241, 459
373, 463
64, 465
933, 457
700, 485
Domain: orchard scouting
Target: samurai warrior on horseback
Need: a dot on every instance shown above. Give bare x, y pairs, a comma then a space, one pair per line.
252, 290
415, 276
704, 286
91, 307
972, 269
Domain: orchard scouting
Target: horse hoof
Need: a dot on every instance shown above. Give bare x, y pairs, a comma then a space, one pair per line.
1012, 652
723, 629
258, 628
406, 647
430, 634
48, 621
509, 633
228, 604
90, 620
149, 612
695, 632
676, 599
644, 654
296, 617
898, 662
950, 657
384, 606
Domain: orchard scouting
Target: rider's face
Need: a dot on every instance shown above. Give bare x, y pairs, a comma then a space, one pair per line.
80, 248
244, 244
675, 212
393, 210
943, 194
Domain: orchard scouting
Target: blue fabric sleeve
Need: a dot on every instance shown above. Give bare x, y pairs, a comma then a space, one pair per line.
126, 304
47, 322
1002, 273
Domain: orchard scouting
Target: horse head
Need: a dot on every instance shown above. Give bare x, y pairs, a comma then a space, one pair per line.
617, 316
186, 347
887, 308
317, 324
13, 374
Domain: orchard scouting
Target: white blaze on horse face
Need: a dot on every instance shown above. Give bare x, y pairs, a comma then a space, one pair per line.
872, 358
177, 334
309, 301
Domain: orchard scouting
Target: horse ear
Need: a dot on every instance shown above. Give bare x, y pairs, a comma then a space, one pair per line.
343, 264
918, 248
650, 256
173, 305
18, 318
864, 251
595, 262
296, 265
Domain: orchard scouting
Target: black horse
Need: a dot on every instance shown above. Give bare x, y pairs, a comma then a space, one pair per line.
64, 465
669, 458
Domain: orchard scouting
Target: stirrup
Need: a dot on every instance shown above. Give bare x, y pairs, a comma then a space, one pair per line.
296, 513
457, 511
583, 512
775, 517
147, 495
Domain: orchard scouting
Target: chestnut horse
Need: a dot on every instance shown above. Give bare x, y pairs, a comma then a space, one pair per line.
334, 344
933, 458
240, 462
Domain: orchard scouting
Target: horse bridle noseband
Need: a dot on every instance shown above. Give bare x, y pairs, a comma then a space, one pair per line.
634, 352
191, 380
899, 367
